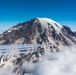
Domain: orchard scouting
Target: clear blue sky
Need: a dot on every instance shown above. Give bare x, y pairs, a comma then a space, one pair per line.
15, 11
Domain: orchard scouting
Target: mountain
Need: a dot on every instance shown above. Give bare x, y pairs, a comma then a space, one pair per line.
75, 32
39, 31
43, 31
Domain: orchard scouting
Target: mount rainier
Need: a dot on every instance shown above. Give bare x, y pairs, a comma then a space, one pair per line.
42, 31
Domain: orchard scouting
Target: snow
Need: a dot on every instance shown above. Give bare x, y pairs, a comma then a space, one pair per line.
52, 21
45, 21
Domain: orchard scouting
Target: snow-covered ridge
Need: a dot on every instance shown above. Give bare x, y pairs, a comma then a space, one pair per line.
45, 21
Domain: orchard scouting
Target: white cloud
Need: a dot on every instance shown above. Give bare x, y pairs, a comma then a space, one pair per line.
60, 63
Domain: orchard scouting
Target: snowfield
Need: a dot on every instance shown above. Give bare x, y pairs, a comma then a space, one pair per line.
58, 63
45, 21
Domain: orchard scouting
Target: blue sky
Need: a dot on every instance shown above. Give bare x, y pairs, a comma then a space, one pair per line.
15, 11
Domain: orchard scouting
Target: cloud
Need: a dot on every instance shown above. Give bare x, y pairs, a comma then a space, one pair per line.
61, 63
58, 63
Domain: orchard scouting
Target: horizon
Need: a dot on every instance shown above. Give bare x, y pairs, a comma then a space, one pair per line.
17, 11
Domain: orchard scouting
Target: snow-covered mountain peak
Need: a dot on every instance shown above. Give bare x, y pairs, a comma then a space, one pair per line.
46, 21
39, 31
52, 21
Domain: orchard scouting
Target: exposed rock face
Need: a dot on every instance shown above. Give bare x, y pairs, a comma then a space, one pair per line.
75, 33
68, 30
69, 34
